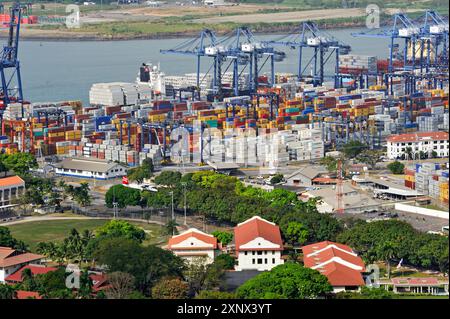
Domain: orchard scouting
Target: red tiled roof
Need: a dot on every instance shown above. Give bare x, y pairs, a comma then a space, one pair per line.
21, 294
308, 249
329, 254
415, 137
206, 238
99, 282
10, 257
324, 180
339, 275
336, 261
257, 227
415, 281
11, 181
35, 270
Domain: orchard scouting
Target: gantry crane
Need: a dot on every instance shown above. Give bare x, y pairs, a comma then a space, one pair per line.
9, 61
403, 29
308, 35
195, 47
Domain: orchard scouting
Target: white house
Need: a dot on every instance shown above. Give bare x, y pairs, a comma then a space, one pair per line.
90, 168
11, 260
426, 142
258, 245
193, 244
10, 188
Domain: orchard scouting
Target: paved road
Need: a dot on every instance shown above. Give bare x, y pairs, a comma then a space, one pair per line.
47, 218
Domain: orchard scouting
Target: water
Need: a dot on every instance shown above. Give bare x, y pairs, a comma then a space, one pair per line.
54, 71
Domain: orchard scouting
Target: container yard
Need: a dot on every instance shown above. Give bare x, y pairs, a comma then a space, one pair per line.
237, 113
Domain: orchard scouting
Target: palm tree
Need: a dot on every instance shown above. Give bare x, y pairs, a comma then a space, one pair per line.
171, 227
7, 292
408, 153
387, 251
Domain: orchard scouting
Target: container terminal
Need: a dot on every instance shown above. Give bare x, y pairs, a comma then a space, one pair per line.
306, 113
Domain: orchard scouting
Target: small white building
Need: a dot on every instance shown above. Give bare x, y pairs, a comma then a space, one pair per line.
194, 244
426, 142
258, 245
11, 260
90, 168
10, 188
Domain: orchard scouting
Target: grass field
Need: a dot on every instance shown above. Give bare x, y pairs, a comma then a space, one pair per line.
56, 230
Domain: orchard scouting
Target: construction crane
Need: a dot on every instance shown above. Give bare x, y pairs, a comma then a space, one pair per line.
9, 61
403, 29
309, 36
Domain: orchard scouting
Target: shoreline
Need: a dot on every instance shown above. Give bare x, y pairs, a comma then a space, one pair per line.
86, 37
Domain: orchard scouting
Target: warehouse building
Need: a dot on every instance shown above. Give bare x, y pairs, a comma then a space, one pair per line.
427, 142
90, 168
10, 188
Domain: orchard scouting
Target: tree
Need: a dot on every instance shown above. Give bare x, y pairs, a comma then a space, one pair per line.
366, 293
121, 228
7, 240
396, 167
203, 276
7, 292
296, 233
329, 162
226, 261
278, 178
20, 163
81, 194
168, 178
123, 196
387, 251
85, 290
171, 227
353, 148
121, 285
3, 169
213, 294
53, 284
170, 288
142, 172
287, 281
146, 264
223, 237
370, 157
408, 153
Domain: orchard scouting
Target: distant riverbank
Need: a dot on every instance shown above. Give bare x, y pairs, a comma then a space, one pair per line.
35, 34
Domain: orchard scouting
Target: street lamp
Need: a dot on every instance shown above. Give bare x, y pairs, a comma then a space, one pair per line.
184, 191
173, 216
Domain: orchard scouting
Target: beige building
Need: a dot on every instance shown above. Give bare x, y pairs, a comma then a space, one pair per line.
10, 188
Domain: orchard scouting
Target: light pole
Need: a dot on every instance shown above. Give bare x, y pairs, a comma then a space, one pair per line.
173, 216
184, 190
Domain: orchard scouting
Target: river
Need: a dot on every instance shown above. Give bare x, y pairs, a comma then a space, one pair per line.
55, 71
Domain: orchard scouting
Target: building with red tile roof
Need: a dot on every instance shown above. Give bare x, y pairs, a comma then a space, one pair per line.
419, 285
22, 294
12, 260
194, 243
426, 142
258, 244
338, 262
99, 281
16, 277
11, 187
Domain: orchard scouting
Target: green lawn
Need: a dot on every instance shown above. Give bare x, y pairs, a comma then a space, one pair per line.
56, 230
